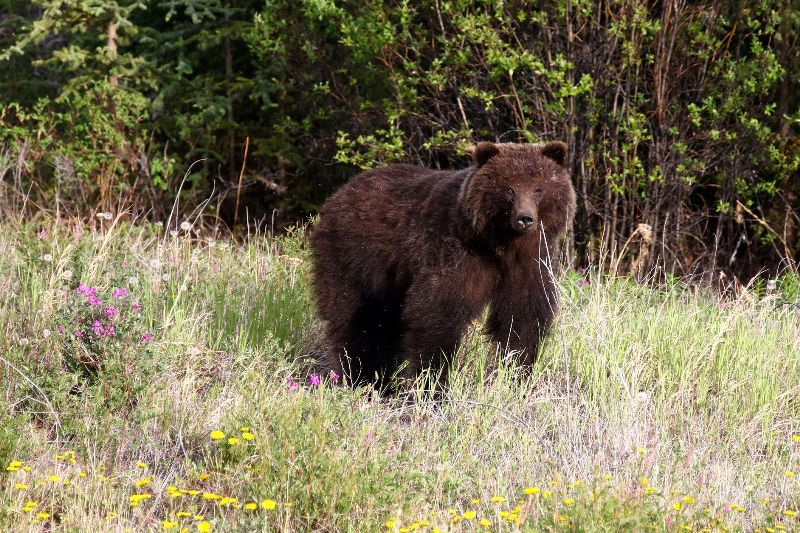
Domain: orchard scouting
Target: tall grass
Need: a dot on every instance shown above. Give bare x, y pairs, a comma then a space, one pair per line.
649, 407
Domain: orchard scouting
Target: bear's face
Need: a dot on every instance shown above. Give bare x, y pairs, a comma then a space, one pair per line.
519, 189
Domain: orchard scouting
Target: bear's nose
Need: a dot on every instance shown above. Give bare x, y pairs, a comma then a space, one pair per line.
524, 222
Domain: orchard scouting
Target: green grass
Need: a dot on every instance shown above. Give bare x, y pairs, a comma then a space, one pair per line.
648, 409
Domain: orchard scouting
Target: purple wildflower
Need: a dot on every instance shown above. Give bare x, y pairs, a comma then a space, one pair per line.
136, 307
42, 233
97, 328
582, 282
109, 331
335, 376
60, 329
120, 293
111, 310
78, 334
147, 337
291, 383
314, 380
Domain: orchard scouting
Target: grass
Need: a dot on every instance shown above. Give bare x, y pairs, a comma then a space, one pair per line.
649, 409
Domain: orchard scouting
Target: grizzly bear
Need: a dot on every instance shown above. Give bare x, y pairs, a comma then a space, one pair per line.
404, 258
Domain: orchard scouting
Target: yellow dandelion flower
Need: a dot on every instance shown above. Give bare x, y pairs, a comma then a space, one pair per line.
211, 496
21, 486
204, 527
451, 511
568, 501
233, 441
736, 507
677, 506
142, 482
688, 500
141, 464
26, 469
644, 481
182, 514
390, 524
228, 500
498, 499
796, 438
251, 506
780, 527
790, 514
649, 490
217, 435
43, 516
469, 515
15, 464
562, 518
54, 478
81, 474
167, 525
248, 436
607, 477
193, 492
531, 490
546, 494
455, 520
199, 517
475, 501
268, 504
504, 514
485, 523
789, 473
641, 451
244, 429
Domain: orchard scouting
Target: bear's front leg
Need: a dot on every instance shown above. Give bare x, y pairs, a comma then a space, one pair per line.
521, 311
436, 314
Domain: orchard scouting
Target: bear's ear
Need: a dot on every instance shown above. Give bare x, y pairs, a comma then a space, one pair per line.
482, 152
557, 151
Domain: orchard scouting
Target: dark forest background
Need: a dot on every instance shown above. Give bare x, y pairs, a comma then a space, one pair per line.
681, 117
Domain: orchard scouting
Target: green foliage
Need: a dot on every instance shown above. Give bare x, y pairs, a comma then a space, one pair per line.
678, 116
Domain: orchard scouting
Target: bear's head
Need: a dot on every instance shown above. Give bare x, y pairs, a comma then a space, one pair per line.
518, 189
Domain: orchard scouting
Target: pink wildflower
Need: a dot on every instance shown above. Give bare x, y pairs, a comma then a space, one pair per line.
78, 334
42, 233
291, 383
147, 337
60, 329
314, 380
582, 282
97, 328
119, 293
110, 331
335, 376
136, 307
111, 310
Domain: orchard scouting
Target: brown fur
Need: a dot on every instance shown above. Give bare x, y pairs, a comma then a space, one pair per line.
405, 257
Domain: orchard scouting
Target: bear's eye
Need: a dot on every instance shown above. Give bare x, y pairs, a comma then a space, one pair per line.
510, 194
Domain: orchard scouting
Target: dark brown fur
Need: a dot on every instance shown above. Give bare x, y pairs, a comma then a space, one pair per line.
406, 257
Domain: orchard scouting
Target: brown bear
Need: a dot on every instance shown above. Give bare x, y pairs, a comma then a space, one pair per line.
404, 258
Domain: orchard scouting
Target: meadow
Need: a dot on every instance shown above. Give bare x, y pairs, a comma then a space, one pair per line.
157, 381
